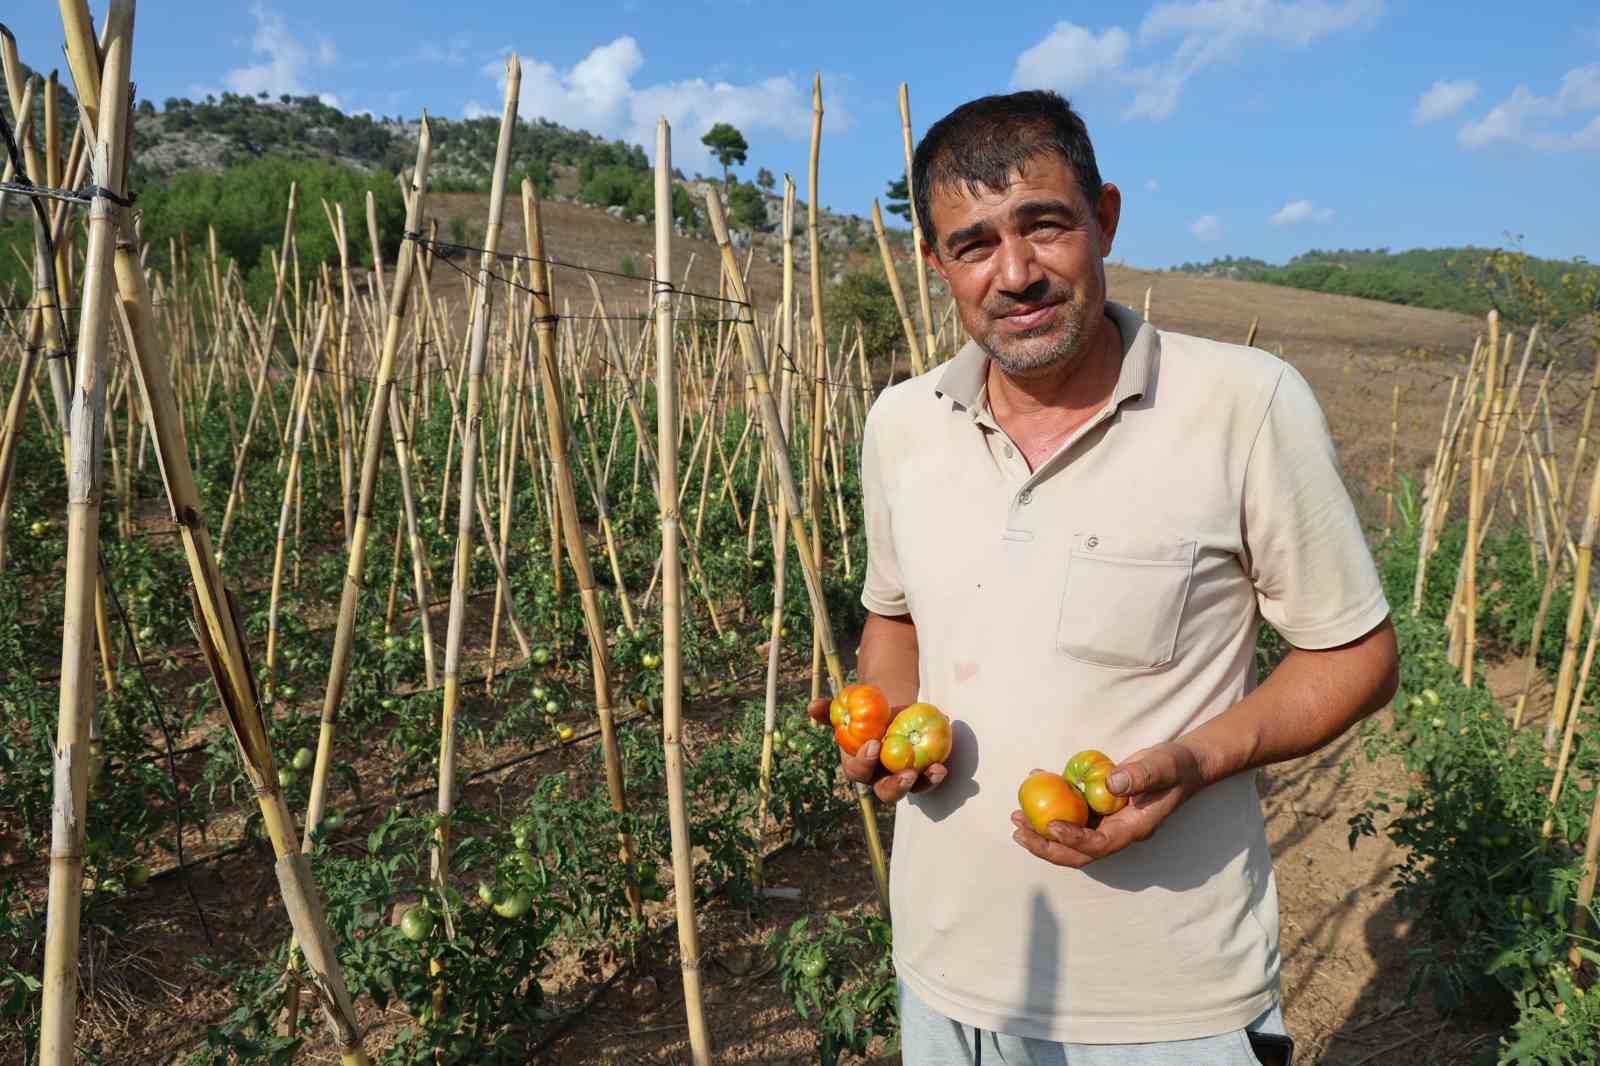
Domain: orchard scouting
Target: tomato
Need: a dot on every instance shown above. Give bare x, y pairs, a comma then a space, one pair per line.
918, 737
286, 777
1087, 771
813, 962
859, 713
1046, 797
137, 875
541, 655
333, 821
486, 891
514, 904
650, 660
417, 923
1078, 766
302, 759
564, 732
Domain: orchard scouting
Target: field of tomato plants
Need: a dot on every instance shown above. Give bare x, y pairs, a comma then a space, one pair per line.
406, 666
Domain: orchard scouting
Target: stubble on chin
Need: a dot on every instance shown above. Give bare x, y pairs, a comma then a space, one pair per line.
1022, 353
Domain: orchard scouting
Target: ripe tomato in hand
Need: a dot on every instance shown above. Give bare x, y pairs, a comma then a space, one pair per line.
1087, 771
859, 713
918, 737
1046, 797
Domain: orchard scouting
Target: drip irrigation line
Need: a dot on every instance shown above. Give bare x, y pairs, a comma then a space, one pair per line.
166, 733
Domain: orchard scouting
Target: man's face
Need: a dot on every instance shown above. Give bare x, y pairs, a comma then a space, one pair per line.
1025, 264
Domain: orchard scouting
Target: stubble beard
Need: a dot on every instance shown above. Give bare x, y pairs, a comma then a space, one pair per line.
1050, 345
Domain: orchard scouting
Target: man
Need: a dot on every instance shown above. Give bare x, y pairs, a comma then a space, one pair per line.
1074, 528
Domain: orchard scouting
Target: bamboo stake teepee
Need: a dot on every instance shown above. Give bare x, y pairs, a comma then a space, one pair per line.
69, 807
377, 417
756, 367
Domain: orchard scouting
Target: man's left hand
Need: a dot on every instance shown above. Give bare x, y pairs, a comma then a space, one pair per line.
1156, 781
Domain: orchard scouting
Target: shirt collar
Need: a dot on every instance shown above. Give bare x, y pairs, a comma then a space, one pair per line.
965, 376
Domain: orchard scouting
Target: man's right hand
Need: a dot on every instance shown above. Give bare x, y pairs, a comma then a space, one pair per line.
863, 767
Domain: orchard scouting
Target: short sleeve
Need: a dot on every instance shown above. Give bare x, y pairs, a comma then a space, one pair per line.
883, 592
1307, 555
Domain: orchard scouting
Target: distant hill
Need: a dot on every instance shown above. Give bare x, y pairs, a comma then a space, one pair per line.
1466, 279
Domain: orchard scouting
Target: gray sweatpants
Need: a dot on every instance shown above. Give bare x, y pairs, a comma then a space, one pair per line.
928, 1038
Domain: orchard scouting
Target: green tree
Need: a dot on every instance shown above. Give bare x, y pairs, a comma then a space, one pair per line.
864, 296
749, 206
728, 145
765, 179
899, 198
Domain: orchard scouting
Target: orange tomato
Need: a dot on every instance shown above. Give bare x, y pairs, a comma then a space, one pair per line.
859, 713
1046, 797
918, 737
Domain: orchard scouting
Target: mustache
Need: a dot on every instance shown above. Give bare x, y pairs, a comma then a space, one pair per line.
1029, 299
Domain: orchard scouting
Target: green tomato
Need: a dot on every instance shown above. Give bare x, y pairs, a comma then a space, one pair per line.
302, 759
552, 707
333, 821
813, 962
541, 655
486, 891
514, 904
417, 923
538, 692
287, 777
137, 874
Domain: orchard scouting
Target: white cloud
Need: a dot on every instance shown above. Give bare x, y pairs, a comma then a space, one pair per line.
1072, 58
1201, 34
1296, 211
1569, 120
1442, 100
451, 53
288, 60
1206, 227
599, 94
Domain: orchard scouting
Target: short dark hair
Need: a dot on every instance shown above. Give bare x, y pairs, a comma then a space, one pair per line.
982, 142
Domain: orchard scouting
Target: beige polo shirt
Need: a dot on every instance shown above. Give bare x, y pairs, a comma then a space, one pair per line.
1108, 600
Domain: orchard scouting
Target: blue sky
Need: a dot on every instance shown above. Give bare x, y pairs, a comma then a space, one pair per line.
1243, 127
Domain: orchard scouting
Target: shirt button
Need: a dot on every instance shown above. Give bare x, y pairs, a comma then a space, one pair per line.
1092, 543
1010, 451
1025, 497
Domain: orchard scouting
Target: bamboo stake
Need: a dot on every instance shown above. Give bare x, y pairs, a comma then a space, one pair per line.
756, 366
1475, 506
377, 414
1575, 612
780, 532
266, 341
70, 787
419, 555
577, 551
672, 607
291, 487
461, 578
1562, 517
916, 226
917, 365
1394, 439
819, 339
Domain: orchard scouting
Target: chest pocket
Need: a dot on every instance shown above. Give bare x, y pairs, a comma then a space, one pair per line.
1123, 599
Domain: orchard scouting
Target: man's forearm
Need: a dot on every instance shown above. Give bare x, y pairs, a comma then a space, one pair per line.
887, 657
1311, 698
